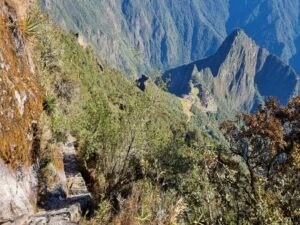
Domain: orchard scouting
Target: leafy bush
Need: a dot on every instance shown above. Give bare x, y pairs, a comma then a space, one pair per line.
267, 144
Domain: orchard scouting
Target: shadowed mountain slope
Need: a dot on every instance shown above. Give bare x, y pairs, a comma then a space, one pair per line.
238, 76
134, 34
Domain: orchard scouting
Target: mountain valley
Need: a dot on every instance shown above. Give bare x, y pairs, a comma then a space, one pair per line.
170, 33
127, 112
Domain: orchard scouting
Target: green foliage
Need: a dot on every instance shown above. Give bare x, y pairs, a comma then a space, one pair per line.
170, 160
117, 125
147, 164
30, 26
102, 216
126, 137
49, 104
267, 144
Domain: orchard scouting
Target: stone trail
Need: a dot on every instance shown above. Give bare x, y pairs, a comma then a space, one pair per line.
65, 210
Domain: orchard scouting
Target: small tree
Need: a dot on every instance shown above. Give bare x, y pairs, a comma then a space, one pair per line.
268, 143
266, 140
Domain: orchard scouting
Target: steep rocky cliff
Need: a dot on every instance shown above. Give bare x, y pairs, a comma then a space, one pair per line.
20, 108
273, 24
170, 33
237, 77
161, 33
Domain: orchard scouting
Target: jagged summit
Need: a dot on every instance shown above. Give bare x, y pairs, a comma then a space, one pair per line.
239, 75
238, 33
238, 38
235, 47
237, 44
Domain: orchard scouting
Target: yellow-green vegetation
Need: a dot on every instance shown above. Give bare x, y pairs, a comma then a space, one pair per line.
186, 107
146, 163
30, 25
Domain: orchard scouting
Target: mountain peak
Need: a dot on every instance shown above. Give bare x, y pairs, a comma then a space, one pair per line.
237, 39
240, 74
240, 35
238, 32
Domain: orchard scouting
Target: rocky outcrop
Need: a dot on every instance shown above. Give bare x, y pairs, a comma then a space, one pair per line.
18, 189
20, 108
141, 82
238, 76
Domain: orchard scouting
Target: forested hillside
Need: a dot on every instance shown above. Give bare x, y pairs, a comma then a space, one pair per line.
82, 143
146, 163
171, 33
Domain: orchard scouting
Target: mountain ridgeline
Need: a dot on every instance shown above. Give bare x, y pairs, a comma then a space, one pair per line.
239, 76
81, 143
134, 34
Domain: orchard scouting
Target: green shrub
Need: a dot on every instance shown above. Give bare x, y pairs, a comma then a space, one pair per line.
31, 25
49, 104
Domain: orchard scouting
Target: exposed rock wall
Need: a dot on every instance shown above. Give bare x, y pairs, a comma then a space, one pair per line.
20, 108
17, 191
21, 96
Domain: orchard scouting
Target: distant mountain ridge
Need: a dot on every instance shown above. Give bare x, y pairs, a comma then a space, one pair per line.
237, 77
162, 33
133, 34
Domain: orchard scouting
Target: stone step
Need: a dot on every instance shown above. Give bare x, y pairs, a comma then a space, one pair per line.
67, 209
64, 216
76, 185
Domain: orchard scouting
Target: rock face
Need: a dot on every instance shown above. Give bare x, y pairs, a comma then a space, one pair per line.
170, 33
21, 95
17, 190
20, 108
21, 136
238, 76
141, 82
132, 32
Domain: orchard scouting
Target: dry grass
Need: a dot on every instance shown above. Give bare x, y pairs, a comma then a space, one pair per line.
30, 24
146, 206
58, 159
29, 27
